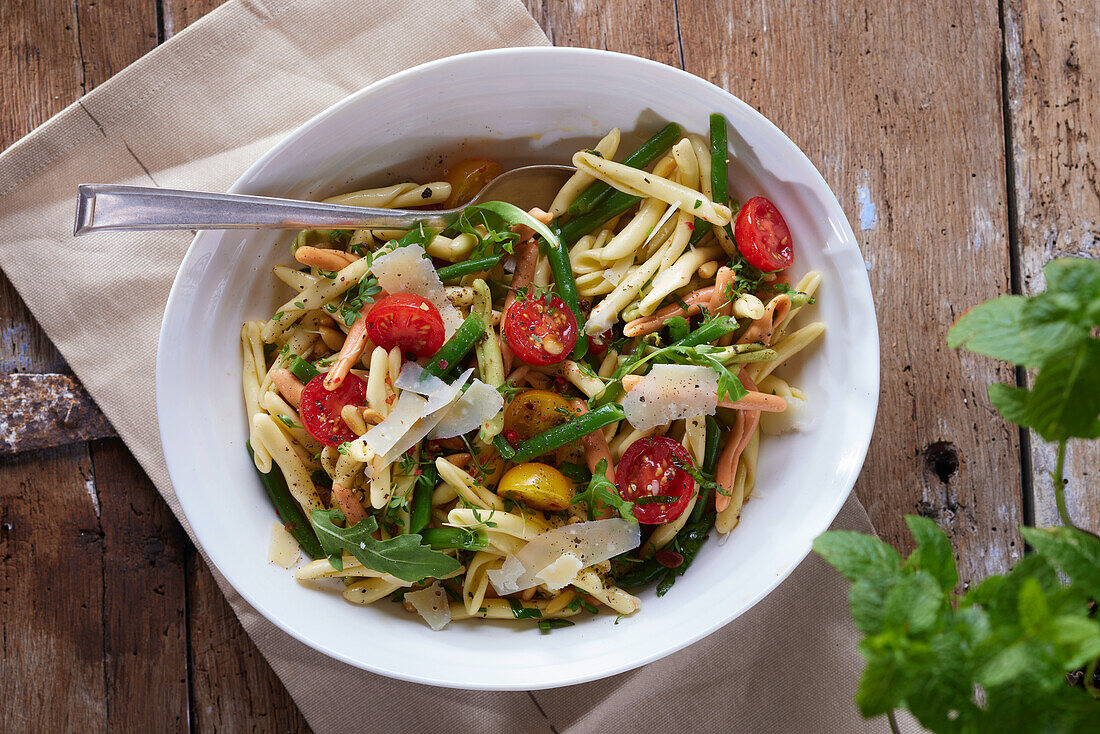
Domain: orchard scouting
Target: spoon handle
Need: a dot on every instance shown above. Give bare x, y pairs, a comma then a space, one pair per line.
114, 207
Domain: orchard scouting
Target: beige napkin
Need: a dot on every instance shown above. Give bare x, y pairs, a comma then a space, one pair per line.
195, 113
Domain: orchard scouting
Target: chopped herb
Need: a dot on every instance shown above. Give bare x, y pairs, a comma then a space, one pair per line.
519, 611
545, 625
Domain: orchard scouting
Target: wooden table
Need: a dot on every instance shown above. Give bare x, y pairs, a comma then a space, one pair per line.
960, 137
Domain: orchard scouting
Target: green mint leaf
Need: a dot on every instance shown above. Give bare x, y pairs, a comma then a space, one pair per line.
913, 604
1065, 399
883, 681
857, 555
933, 553
1074, 553
403, 556
1074, 275
999, 329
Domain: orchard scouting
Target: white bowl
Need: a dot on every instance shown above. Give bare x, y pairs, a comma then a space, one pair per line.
517, 105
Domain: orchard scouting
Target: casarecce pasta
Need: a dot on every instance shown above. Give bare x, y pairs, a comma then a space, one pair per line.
530, 414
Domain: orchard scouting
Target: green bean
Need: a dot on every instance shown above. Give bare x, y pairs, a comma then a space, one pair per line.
710, 460
287, 509
457, 347
702, 229
450, 272
615, 204
646, 153
570, 432
421, 511
708, 332
302, 369
566, 286
719, 170
442, 538
503, 447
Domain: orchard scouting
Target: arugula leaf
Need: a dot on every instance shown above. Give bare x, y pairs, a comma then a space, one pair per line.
498, 217
403, 556
601, 491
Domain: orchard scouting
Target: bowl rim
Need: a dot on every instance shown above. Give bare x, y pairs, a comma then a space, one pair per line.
240, 185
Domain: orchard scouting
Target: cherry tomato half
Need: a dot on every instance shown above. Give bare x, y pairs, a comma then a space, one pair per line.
762, 236
540, 330
320, 408
646, 470
469, 177
407, 321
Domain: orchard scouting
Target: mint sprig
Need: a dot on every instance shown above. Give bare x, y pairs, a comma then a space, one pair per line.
996, 658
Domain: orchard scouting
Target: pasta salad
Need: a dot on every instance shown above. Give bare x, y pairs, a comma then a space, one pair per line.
531, 413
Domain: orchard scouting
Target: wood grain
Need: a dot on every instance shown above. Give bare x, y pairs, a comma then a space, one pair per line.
1053, 91
145, 644
42, 410
52, 670
880, 131
233, 688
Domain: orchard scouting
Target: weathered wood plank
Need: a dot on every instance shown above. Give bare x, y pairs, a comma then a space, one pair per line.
51, 547
919, 167
145, 644
39, 411
233, 687
51, 594
93, 613
643, 28
1053, 90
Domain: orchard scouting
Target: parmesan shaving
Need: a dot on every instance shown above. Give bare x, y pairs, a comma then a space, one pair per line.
477, 406
552, 556
408, 270
282, 549
431, 604
795, 417
671, 392
412, 417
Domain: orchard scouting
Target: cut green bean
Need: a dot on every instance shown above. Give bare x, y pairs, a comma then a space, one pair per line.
421, 511
646, 153
566, 286
302, 369
457, 347
443, 538
287, 509
719, 168
614, 205
708, 332
567, 433
503, 447
701, 229
450, 272
710, 460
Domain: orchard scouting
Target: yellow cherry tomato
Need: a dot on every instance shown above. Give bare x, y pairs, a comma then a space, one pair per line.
534, 412
469, 177
536, 485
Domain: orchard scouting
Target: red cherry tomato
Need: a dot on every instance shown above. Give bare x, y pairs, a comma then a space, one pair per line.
762, 236
540, 330
646, 470
407, 321
320, 408
598, 344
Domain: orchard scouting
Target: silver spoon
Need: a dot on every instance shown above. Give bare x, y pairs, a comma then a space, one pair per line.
103, 207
